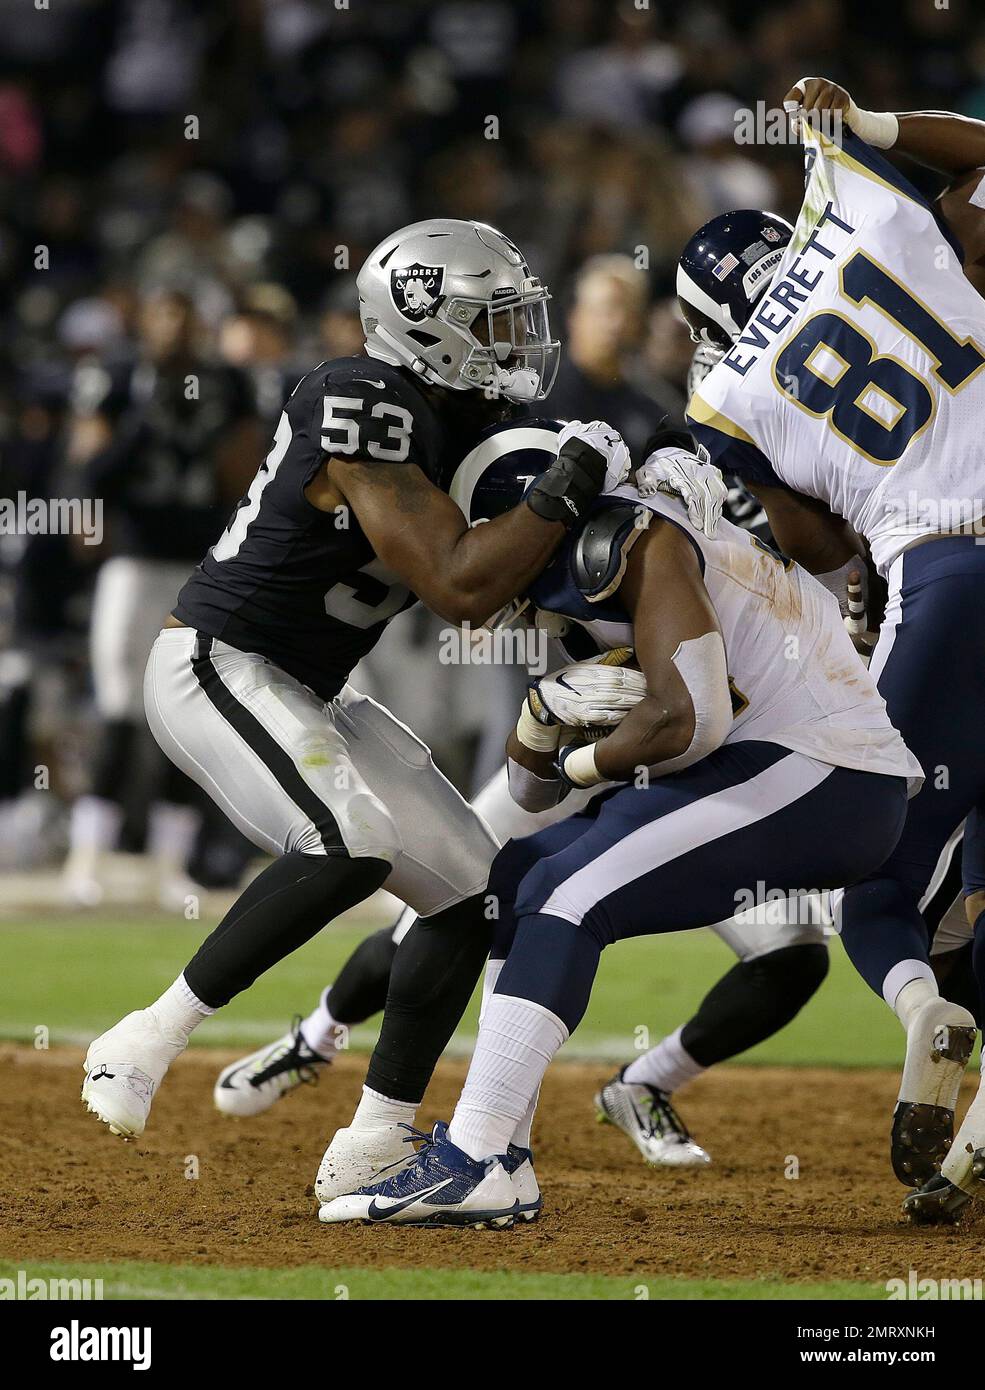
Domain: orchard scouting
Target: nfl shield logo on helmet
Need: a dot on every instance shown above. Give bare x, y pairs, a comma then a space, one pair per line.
414, 288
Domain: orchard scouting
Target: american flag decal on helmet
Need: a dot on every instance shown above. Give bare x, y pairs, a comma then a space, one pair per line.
723, 267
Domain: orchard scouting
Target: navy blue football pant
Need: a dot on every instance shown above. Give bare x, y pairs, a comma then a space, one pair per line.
751, 819
930, 669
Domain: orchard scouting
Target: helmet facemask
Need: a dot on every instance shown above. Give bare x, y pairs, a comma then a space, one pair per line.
510, 349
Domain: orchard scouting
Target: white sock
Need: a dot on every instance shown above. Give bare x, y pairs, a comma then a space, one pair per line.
515, 1045
494, 968
375, 1111
913, 986
171, 831
179, 1011
521, 1135
321, 1031
95, 825
666, 1066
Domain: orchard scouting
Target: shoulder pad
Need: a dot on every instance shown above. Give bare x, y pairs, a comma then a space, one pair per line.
602, 548
368, 410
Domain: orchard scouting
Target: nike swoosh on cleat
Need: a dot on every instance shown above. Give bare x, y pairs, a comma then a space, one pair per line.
376, 1213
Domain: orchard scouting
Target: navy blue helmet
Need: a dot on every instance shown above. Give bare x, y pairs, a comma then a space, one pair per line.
497, 474
725, 268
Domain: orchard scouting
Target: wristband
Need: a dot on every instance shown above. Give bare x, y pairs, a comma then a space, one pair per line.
539, 738
579, 767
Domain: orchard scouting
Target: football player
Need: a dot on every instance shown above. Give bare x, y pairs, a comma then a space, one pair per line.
849, 400
346, 521
722, 757
167, 464
782, 957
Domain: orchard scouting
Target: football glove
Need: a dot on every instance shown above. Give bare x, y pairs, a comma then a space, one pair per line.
591, 459
598, 693
675, 468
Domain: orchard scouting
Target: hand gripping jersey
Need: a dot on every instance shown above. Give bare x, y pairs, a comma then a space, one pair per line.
794, 675
859, 380
302, 586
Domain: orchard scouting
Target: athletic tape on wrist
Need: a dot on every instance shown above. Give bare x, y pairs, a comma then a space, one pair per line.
539, 738
580, 767
877, 128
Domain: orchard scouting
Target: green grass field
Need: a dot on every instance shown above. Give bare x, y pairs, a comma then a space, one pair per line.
77, 975
129, 1279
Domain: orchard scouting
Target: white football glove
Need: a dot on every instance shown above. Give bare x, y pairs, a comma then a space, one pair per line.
607, 440
700, 486
587, 694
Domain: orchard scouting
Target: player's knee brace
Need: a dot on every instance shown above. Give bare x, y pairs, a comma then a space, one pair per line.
753, 1001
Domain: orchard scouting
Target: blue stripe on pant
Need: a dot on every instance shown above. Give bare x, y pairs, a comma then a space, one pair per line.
684, 852
930, 670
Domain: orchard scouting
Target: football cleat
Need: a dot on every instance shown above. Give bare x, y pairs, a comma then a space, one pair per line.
937, 1203
519, 1163
939, 1042
124, 1068
442, 1186
646, 1115
252, 1084
964, 1165
357, 1157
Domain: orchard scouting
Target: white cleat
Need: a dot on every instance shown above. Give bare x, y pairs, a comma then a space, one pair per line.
646, 1115
519, 1164
124, 1068
939, 1043
253, 1084
965, 1162
357, 1157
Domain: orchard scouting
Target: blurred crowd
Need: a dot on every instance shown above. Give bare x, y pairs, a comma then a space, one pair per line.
187, 190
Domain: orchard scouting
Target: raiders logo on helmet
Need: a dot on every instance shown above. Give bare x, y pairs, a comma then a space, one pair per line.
414, 288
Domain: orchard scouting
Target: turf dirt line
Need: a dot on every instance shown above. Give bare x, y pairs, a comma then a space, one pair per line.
800, 1190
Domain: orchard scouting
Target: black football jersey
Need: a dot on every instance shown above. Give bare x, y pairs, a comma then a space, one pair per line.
158, 475
301, 586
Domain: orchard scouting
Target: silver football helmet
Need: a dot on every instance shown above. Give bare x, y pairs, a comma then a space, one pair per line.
456, 303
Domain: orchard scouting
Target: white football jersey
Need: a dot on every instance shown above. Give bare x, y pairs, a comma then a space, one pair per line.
795, 677
859, 379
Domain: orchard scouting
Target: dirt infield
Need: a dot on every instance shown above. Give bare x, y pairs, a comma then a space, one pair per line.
71, 1191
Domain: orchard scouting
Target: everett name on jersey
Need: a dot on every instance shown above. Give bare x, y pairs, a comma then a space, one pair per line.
858, 380
301, 586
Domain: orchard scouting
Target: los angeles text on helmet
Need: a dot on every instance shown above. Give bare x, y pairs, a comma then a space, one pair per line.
788, 294
52, 516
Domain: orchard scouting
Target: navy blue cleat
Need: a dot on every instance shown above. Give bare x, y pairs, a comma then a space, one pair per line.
441, 1187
